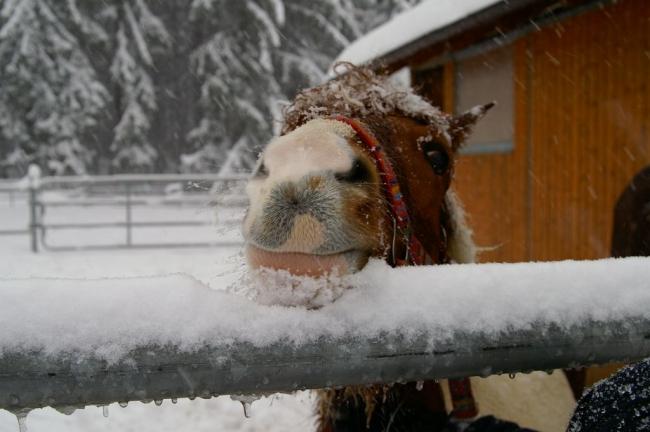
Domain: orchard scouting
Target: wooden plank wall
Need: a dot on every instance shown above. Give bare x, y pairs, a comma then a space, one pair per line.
582, 121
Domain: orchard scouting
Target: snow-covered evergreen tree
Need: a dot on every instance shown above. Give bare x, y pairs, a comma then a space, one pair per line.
51, 100
372, 13
133, 85
138, 33
233, 62
257, 53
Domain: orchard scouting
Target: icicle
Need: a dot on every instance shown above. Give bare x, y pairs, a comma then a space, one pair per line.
246, 402
105, 411
21, 416
419, 385
123, 404
247, 409
22, 425
68, 409
174, 400
158, 402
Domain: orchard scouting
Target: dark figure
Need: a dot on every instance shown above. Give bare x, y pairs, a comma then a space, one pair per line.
620, 403
631, 236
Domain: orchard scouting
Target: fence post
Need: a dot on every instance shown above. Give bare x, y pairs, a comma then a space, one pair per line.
34, 177
128, 214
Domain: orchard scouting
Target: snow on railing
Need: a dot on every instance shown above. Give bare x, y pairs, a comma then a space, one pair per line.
69, 342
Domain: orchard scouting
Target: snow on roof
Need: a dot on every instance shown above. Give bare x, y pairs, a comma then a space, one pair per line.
111, 316
428, 16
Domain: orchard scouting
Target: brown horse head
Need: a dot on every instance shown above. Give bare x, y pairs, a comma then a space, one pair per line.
319, 198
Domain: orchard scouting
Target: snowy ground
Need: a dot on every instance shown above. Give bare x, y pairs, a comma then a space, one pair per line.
214, 266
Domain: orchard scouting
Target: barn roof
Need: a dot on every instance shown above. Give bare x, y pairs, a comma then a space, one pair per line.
428, 16
434, 22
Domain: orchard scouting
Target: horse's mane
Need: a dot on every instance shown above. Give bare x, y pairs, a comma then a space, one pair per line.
360, 92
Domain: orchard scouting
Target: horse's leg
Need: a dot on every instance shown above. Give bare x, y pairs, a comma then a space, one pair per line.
403, 407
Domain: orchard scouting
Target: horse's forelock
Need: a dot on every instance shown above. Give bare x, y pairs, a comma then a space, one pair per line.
360, 92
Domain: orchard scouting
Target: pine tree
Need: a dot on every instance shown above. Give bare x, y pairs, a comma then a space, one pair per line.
234, 64
257, 53
138, 34
372, 13
51, 100
198, 78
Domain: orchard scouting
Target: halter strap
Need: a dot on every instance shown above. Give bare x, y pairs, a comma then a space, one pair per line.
415, 252
464, 406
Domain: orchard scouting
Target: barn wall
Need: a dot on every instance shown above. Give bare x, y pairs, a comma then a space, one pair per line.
493, 187
582, 116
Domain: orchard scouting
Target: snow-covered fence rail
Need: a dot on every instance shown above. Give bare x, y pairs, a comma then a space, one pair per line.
72, 342
29, 380
128, 192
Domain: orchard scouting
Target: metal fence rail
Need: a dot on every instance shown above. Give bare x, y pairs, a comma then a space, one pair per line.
131, 191
30, 380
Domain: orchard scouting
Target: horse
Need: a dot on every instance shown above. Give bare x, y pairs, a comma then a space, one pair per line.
363, 169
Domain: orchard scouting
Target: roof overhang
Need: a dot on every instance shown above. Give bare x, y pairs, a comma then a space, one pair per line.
491, 22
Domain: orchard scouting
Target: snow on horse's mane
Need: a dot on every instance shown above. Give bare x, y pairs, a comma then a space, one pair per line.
360, 92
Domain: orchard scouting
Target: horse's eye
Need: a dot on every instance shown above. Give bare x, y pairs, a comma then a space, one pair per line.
437, 157
357, 174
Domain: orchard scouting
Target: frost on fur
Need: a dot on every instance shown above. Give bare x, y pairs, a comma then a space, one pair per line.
359, 92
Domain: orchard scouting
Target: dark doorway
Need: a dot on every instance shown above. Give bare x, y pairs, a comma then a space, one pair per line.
631, 234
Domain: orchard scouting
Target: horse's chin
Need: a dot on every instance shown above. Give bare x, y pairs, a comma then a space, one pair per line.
304, 264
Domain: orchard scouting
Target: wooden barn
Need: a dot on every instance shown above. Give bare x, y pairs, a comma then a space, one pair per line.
542, 174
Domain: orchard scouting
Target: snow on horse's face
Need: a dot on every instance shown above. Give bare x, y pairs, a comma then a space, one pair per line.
317, 199
315, 202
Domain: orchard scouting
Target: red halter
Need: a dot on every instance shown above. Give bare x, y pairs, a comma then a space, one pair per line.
460, 389
415, 253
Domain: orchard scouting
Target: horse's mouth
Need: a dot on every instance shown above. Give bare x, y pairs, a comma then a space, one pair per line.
304, 264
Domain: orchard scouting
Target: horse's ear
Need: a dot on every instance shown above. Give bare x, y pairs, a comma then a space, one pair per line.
461, 126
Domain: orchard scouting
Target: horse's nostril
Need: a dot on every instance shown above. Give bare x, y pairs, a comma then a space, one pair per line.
290, 196
291, 199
